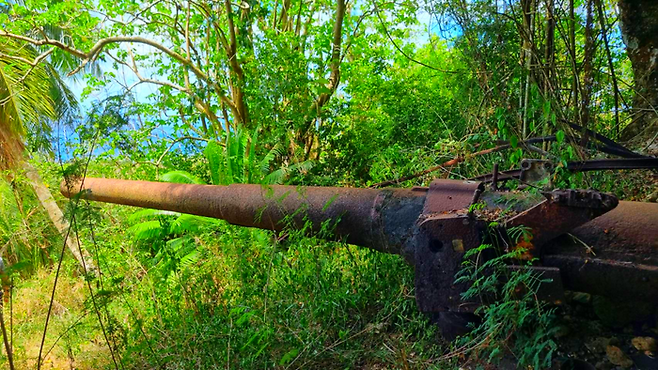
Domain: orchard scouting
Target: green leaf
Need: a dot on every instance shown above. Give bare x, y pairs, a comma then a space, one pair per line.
215, 155
501, 123
189, 259
190, 223
181, 177
146, 230
560, 136
547, 109
289, 356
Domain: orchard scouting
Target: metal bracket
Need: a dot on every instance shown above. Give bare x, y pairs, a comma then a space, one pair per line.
440, 248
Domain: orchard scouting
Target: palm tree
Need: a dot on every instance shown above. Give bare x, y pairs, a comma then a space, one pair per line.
31, 97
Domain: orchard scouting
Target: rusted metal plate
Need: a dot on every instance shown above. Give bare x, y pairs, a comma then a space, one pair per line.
440, 248
627, 233
561, 212
450, 195
614, 255
445, 231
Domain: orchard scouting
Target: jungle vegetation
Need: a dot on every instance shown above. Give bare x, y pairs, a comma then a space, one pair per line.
313, 92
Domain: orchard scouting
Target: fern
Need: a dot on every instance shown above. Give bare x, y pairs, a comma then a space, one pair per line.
240, 168
520, 324
250, 163
278, 176
266, 162
236, 162
146, 230
190, 223
216, 162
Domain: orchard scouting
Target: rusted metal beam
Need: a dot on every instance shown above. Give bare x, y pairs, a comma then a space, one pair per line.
614, 255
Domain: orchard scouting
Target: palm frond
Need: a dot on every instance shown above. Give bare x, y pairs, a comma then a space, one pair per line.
300, 167
25, 91
64, 98
31, 97
189, 259
276, 176
264, 165
280, 175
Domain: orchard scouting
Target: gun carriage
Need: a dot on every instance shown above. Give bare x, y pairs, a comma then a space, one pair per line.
433, 227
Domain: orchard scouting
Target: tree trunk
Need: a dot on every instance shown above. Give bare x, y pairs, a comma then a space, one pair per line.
56, 216
575, 84
549, 51
528, 7
639, 29
588, 71
236, 74
549, 62
611, 65
334, 76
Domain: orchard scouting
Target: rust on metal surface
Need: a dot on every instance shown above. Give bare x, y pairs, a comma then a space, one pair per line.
562, 211
619, 280
627, 233
611, 253
615, 255
450, 195
439, 251
275, 207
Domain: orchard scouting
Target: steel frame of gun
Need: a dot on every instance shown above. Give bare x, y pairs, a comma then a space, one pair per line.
432, 227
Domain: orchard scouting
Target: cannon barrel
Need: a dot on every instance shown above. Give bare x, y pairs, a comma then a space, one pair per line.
611, 248
377, 219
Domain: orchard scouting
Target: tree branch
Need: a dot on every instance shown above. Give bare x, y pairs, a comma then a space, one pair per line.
334, 77
142, 79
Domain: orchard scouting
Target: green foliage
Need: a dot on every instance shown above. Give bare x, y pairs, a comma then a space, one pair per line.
513, 319
237, 162
234, 96
26, 236
167, 238
180, 177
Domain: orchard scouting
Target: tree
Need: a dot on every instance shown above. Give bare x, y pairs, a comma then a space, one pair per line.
219, 65
639, 27
32, 96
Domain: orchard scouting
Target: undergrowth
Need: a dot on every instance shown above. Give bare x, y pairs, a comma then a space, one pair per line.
182, 293
514, 321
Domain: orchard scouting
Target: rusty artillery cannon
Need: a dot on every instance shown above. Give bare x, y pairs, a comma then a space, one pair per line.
432, 227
